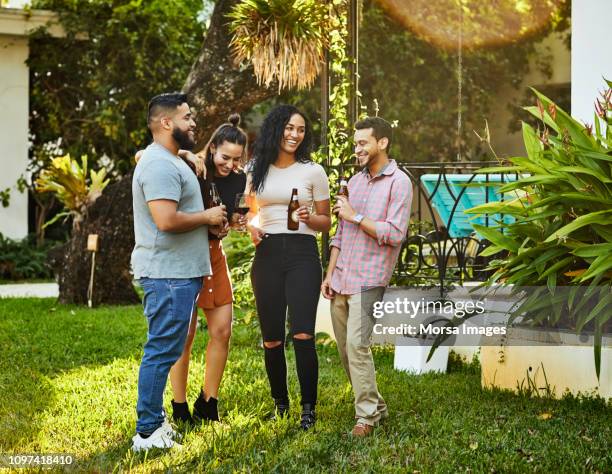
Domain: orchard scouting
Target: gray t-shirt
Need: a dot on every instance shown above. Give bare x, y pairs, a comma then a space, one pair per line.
157, 254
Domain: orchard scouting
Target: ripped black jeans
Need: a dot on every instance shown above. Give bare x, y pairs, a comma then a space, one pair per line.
287, 275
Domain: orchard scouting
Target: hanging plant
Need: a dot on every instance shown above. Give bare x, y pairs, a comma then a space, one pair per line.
285, 40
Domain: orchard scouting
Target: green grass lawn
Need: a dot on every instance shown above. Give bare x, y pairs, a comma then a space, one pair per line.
68, 385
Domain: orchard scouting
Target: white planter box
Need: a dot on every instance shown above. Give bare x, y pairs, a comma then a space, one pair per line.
566, 364
411, 357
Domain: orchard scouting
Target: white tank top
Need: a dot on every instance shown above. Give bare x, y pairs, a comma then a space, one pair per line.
312, 185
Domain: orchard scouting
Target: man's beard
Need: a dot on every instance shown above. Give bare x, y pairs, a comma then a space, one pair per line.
369, 159
183, 139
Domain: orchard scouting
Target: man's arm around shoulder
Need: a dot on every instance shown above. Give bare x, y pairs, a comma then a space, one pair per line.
161, 185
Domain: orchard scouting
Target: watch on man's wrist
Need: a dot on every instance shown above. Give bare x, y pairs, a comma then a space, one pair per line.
357, 219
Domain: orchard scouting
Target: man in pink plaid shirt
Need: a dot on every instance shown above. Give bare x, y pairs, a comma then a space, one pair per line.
372, 225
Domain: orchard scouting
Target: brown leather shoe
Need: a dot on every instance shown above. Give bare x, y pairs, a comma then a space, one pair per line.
361, 430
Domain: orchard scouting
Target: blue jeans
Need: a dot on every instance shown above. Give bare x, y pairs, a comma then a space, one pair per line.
168, 306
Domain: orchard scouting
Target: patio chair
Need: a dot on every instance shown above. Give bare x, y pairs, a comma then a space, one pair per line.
451, 194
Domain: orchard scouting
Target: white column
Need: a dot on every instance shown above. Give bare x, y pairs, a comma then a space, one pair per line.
591, 57
14, 100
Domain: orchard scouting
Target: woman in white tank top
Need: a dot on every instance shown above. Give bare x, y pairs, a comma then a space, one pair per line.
286, 272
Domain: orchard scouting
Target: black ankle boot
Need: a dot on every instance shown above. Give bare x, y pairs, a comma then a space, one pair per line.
308, 416
205, 410
180, 412
281, 408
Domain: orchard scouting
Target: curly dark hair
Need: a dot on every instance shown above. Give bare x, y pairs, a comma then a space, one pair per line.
267, 144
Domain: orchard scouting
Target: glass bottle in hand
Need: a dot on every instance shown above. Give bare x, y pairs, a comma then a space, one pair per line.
343, 189
293, 222
212, 198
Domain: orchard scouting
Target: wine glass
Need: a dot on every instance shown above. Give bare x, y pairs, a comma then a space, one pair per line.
242, 206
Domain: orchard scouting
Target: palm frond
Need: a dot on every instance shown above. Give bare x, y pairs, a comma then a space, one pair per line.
284, 40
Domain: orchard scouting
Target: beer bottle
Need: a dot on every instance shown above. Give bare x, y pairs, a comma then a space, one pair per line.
343, 189
293, 222
212, 199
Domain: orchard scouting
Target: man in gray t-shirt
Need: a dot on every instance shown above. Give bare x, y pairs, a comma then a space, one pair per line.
170, 256
159, 252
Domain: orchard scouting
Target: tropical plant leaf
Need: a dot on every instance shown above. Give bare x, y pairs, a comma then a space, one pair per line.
549, 254
598, 337
498, 207
572, 296
56, 218
500, 169
565, 122
605, 232
536, 179
578, 169
601, 264
586, 197
562, 228
600, 217
533, 165
533, 145
593, 250
594, 155
547, 118
520, 277
540, 299
491, 250
497, 237
605, 302
557, 266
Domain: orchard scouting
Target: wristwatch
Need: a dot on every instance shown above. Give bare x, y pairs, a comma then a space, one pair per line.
358, 218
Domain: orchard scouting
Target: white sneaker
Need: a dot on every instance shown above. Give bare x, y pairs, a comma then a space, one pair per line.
170, 431
160, 438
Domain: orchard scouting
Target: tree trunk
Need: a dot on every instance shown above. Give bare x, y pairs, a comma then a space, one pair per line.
216, 87
111, 217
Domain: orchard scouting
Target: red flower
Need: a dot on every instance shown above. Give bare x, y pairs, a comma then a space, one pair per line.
600, 109
540, 108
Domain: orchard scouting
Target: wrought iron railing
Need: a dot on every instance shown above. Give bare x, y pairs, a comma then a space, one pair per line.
431, 255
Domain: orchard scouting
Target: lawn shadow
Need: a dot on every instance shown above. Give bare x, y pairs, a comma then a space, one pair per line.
41, 340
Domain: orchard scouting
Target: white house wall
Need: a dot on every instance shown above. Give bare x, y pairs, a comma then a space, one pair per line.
511, 144
591, 54
15, 25
14, 100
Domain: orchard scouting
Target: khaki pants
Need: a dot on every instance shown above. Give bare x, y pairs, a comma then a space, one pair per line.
353, 324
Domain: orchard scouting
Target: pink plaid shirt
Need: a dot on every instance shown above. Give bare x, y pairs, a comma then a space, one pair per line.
365, 261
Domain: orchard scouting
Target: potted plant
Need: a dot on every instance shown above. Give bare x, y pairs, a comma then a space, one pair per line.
560, 241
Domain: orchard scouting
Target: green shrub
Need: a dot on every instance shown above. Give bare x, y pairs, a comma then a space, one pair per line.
238, 248
562, 233
23, 260
240, 252
562, 204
